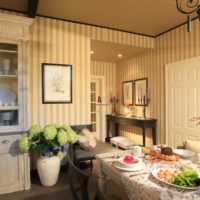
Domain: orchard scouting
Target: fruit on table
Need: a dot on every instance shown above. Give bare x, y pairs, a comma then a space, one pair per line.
129, 160
168, 175
145, 150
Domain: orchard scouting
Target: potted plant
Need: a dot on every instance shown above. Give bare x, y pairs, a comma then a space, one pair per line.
48, 141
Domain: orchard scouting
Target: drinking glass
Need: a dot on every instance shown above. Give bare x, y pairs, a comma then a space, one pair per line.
116, 151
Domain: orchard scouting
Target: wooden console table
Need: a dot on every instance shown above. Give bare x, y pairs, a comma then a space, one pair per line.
134, 121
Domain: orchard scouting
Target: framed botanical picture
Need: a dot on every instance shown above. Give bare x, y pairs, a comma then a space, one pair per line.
56, 83
127, 92
140, 91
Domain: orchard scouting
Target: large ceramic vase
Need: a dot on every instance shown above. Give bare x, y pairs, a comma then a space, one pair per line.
48, 170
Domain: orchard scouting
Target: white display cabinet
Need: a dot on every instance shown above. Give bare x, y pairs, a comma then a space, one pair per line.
10, 94
14, 167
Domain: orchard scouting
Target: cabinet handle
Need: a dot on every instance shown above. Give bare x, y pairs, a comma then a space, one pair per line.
5, 141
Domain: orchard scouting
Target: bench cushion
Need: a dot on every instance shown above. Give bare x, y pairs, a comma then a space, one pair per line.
83, 155
89, 154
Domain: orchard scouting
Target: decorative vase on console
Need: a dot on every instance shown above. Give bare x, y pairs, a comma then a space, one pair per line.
128, 110
49, 141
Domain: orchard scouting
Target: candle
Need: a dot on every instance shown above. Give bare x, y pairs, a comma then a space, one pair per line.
148, 93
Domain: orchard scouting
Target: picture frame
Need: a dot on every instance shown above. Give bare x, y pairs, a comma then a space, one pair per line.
140, 90
127, 92
56, 83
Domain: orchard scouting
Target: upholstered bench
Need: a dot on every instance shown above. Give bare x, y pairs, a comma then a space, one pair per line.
84, 156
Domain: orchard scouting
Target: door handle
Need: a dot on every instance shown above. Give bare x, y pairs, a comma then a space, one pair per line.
5, 141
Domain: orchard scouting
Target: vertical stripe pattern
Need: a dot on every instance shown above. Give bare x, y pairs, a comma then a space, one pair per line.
173, 46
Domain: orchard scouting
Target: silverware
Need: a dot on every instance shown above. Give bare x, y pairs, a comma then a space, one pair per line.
139, 173
110, 162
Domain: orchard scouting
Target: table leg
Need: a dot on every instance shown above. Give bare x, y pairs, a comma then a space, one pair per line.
154, 135
144, 136
116, 129
107, 130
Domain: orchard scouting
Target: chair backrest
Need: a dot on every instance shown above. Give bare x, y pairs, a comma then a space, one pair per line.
78, 128
78, 181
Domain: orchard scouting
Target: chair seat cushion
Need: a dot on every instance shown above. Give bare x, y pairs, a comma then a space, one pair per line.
83, 155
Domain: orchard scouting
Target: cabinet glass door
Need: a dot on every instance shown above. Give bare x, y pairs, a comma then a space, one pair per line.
9, 113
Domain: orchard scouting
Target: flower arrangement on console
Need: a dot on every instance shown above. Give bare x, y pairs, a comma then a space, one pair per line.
48, 140
128, 109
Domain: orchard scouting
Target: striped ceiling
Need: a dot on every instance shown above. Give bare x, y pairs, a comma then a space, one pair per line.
139, 16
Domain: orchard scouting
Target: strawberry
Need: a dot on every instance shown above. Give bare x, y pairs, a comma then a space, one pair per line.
129, 159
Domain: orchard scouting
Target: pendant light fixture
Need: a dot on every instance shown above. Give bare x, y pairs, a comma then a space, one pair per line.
188, 7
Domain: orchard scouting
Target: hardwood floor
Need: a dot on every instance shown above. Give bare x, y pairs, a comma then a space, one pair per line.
60, 191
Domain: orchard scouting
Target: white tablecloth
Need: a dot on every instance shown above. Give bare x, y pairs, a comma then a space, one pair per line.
145, 186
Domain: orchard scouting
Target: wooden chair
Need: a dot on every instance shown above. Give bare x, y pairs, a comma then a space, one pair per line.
82, 158
78, 181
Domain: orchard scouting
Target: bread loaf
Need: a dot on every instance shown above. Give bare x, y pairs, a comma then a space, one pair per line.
166, 151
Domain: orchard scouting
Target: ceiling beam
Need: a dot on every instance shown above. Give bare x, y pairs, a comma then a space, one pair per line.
32, 8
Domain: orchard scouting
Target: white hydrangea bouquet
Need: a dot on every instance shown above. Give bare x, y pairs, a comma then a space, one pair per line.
48, 140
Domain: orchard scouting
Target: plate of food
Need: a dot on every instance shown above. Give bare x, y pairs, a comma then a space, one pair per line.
129, 163
185, 179
166, 154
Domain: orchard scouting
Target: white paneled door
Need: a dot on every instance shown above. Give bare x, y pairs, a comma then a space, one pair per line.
182, 101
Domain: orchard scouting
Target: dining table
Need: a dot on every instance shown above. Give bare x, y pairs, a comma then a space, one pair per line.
140, 185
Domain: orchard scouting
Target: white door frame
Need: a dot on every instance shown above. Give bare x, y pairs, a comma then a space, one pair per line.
167, 66
103, 107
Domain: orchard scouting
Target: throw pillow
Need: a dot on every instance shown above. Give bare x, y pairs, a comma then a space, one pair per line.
83, 141
82, 138
192, 145
90, 137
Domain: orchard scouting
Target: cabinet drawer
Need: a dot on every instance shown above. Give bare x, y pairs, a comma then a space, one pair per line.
8, 143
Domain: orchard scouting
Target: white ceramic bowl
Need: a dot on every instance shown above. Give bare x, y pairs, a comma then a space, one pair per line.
184, 153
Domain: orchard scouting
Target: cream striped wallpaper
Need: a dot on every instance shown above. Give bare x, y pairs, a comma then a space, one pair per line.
58, 41
55, 41
173, 46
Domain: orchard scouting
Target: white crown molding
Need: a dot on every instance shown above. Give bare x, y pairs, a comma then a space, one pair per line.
16, 27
